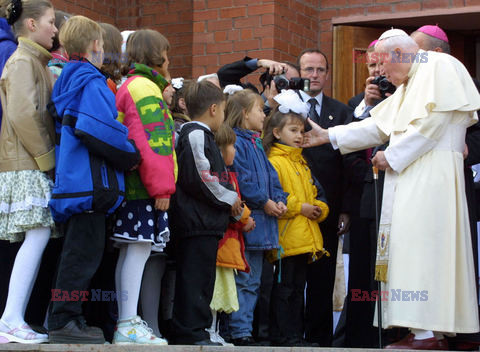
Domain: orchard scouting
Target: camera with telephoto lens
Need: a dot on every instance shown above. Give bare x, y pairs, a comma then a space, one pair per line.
282, 82
384, 85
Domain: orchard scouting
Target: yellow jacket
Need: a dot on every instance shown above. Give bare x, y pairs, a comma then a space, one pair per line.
297, 233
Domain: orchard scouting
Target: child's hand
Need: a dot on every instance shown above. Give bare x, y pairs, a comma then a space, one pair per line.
162, 204
237, 208
317, 212
271, 208
282, 207
250, 225
310, 211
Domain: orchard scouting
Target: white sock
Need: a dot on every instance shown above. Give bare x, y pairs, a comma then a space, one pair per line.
422, 334
213, 327
150, 291
24, 274
131, 277
118, 275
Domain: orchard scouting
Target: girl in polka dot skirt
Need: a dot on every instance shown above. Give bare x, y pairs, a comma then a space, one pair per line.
142, 222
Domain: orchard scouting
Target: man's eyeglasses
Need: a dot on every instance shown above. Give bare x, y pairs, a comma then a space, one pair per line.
311, 70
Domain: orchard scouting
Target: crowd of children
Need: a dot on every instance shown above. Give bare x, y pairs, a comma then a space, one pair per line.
184, 172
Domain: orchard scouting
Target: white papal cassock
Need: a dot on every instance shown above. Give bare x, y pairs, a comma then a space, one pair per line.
424, 212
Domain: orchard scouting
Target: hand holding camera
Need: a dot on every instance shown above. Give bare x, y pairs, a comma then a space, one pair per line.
276, 68
282, 82
372, 93
377, 89
385, 86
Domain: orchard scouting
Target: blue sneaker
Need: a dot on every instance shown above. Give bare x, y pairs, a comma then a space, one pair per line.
135, 331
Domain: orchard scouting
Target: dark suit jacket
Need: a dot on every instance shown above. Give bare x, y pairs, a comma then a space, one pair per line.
357, 99
327, 164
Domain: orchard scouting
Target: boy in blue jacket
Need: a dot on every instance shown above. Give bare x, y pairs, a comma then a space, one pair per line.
91, 154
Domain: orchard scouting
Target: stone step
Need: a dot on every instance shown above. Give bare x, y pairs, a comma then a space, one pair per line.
170, 348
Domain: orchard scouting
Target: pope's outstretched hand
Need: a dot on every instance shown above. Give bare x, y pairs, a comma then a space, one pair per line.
316, 136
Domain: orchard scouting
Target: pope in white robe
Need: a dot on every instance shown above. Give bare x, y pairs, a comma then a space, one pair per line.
424, 251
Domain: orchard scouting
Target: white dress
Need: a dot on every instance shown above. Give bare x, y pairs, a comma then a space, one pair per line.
430, 278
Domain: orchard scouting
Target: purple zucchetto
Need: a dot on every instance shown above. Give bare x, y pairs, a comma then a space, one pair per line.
434, 31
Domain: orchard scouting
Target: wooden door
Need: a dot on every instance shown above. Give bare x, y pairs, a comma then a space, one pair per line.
349, 70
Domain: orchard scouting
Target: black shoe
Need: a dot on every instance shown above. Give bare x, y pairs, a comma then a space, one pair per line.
206, 342
76, 332
245, 341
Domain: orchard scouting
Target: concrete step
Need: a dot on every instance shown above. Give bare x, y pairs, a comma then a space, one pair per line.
171, 348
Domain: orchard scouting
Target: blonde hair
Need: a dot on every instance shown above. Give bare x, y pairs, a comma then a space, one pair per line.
238, 105
112, 47
29, 9
147, 47
78, 33
3, 8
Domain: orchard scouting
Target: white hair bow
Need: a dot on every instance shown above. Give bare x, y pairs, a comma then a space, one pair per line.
232, 88
177, 83
289, 100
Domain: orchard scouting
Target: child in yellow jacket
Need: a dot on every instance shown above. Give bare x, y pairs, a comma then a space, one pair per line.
300, 238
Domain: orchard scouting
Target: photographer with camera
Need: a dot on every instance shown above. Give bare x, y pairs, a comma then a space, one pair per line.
377, 86
328, 167
276, 72
274, 84
233, 73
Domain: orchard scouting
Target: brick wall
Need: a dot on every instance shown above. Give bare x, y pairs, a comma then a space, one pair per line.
99, 10
206, 34
228, 30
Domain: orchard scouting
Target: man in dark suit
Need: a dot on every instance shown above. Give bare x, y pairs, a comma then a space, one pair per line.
328, 166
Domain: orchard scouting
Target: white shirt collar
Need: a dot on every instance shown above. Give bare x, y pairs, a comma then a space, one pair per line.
307, 97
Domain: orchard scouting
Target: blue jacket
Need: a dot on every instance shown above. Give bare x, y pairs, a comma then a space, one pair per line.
8, 44
92, 149
258, 182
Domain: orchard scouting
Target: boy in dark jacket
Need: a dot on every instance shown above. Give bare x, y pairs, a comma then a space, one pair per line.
91, 154
202, 205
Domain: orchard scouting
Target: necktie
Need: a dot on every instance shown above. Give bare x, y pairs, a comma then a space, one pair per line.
313, 111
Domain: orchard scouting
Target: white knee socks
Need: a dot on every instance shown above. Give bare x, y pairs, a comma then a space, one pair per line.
24, 274
130, 275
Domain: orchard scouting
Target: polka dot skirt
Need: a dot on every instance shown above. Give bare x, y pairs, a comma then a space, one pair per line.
138, 220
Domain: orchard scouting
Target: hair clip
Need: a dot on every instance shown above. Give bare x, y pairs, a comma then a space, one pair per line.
289, 101
177, 83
